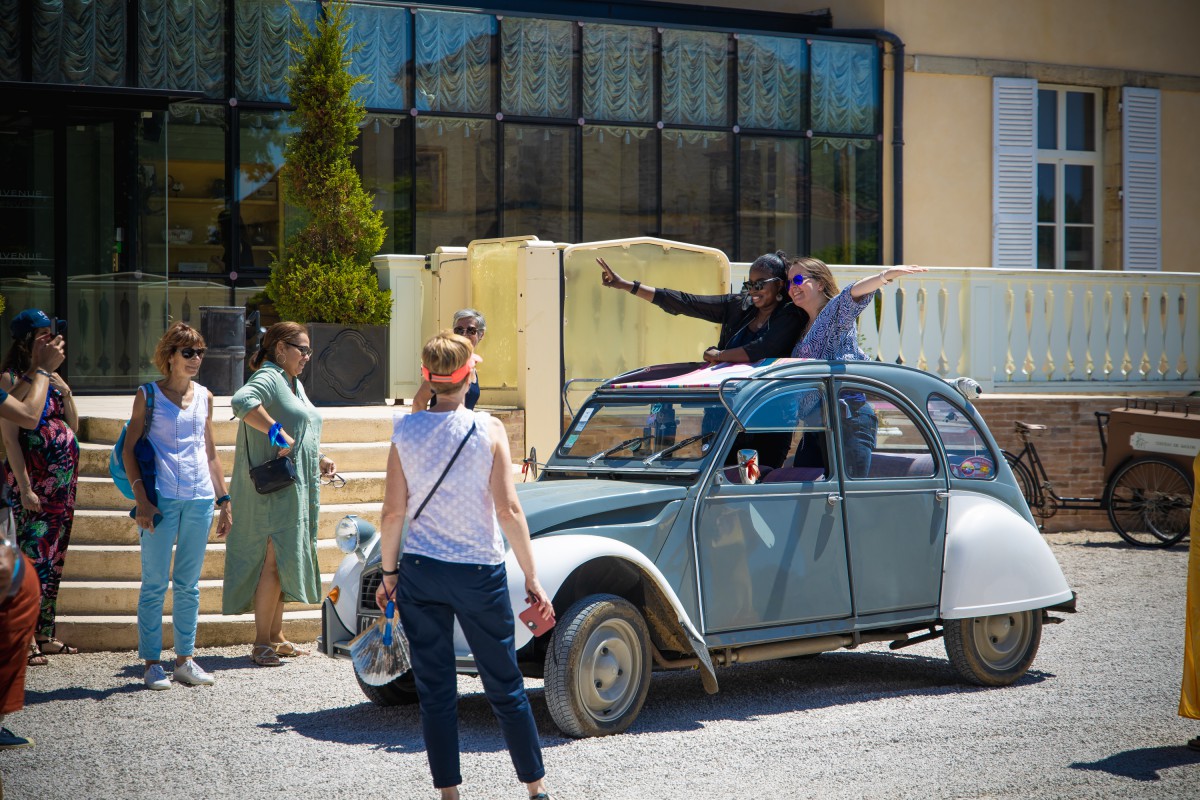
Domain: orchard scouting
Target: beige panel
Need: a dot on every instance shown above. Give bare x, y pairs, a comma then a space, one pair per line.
1180, 182
947, 170
1150, 35
493, 281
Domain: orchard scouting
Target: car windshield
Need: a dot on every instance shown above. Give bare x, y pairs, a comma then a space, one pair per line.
630, 431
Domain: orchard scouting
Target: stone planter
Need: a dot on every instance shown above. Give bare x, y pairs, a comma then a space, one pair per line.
348, 365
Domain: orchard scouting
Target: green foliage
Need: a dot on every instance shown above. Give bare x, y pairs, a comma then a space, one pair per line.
326, 273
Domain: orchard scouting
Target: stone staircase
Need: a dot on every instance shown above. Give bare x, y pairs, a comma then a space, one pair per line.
97, 602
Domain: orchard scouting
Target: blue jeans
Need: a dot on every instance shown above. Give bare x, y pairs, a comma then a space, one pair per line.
184, 527
858, 439
430, 595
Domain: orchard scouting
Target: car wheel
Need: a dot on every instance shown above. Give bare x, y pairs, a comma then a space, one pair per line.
996, 650
1150, 502
597, 667
400, 692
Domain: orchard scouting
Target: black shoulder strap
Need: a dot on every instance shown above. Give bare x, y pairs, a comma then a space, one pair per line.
453, 458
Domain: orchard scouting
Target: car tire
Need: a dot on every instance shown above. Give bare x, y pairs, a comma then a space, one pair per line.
597, 667
995, 650
400, 692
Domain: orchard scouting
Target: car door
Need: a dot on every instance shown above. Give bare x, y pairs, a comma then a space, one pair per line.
774, 552
896, 499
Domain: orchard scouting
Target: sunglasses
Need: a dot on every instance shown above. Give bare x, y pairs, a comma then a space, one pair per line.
757, 286
335, 480
189, 353
798, 279
304, 351
471, 331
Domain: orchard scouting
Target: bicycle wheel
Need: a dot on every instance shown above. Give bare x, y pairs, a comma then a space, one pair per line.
1149, 502
1024, 479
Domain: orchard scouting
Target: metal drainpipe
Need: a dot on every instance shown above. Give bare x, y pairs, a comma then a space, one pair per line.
879, 34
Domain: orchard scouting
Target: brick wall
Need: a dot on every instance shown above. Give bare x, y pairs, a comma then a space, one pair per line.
1070, 450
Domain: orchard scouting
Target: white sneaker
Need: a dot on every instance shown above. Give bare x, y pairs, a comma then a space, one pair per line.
193, 674
156, 678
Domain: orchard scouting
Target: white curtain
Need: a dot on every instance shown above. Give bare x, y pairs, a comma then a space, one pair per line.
454, 55
79, 42
262, 57
843, 87
381, 32
535, 63
771, 82
618, 73
181, 45
695, 77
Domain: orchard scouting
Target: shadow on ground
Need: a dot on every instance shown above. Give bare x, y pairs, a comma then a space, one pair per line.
1142, 764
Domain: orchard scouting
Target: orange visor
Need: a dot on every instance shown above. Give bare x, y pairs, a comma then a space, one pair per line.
457, 376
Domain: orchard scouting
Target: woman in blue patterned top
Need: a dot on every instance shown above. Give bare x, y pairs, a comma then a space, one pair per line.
832, 335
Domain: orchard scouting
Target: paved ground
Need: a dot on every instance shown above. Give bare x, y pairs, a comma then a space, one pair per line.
1096, 717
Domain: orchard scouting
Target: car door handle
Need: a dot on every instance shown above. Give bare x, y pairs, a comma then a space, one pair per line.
941, 495
833, 499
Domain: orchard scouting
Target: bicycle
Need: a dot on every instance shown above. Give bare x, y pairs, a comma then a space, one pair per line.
1148, 498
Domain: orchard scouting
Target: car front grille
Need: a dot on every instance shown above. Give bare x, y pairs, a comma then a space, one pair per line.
366, 595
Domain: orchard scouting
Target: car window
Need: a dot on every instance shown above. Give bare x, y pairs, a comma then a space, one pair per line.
966, 448
636, 430
880, 439
788, 431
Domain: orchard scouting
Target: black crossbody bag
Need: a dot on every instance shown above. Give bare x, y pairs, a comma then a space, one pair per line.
271, 476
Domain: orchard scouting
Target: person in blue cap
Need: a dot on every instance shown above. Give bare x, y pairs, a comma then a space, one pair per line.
20, 595
43, 471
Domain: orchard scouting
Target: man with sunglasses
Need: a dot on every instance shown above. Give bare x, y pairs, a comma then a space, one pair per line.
759, 322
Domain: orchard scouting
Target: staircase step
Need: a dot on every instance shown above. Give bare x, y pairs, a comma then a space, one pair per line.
361, 487
93, 633
349, 457
107, 526
105, 430
124, 562
84, 598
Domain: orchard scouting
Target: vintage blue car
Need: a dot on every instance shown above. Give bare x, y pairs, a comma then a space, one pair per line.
703, 516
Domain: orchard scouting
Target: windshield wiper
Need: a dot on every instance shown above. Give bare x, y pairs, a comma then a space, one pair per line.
617, 448
700, 437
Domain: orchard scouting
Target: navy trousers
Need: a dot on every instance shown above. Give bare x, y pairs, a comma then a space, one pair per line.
430, 595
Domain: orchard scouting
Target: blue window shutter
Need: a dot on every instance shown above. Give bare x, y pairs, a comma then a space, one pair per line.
1141, 179
1014, 173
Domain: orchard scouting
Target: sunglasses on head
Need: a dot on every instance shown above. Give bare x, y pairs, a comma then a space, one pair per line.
304, 351
798, 279
757, 286
189, 353
471, 331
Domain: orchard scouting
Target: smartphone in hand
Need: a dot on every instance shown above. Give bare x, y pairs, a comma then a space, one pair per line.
533, 619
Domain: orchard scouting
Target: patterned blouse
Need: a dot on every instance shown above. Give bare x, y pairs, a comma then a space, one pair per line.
834, 333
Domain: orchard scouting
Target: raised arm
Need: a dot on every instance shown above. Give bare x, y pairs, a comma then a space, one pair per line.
26, 410
865, 286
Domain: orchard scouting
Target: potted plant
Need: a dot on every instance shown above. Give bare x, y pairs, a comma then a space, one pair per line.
325, 278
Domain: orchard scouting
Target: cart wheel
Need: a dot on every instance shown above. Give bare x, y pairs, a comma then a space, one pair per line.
1149, 502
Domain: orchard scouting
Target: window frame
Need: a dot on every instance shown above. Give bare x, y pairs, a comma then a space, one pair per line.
1060, 158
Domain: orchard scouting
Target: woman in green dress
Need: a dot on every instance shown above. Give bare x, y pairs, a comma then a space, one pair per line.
271, 555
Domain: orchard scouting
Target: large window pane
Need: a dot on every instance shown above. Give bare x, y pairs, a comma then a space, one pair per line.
1047, 119
1081, 121
618, 73
620, 182
27, 240
537, 59
539, 188
1046, 192
456, 182
1079, 244
697, 188
845, 201
1045, 246
265, 222
695, 77
771, 82
1079, 203
79, 43
383, 161
260, 46
380, 32
845, 87
181, 45
454, 61
772, 196
10, 40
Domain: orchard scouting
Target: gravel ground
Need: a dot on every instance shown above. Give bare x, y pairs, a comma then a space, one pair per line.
1095, 717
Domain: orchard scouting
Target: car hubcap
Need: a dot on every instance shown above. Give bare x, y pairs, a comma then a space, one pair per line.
1002, 640
607, 678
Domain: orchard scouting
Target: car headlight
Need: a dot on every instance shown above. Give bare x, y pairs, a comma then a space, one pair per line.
352, 532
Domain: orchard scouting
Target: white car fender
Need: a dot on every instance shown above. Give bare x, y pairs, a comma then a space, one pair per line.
557, 557
995, 561
348, 580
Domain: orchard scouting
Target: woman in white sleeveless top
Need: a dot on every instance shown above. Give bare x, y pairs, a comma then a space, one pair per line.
189, 487
453, 564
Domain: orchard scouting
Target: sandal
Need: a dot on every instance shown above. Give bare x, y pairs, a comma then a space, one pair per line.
35, 658
1194, 744
59, 648
264, 656
288, 650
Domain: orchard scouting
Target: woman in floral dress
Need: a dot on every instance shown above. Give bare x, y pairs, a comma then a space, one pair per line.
43, 472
